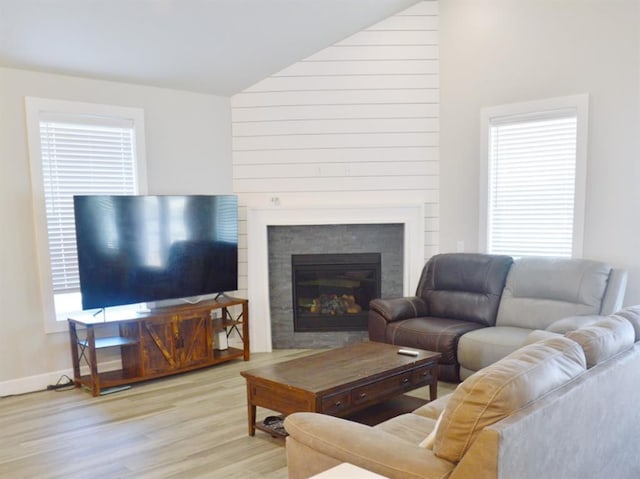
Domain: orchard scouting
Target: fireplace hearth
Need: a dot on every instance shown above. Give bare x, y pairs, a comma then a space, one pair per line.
331, 292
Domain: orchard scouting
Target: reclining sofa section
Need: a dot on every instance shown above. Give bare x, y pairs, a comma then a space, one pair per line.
475, 309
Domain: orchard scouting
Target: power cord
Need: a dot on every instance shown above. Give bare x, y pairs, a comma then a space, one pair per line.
60, 385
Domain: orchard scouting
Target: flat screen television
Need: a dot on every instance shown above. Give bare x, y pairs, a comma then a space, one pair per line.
141, 249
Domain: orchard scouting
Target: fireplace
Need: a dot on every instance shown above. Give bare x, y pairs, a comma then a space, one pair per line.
274, 234
331, 292
315, 245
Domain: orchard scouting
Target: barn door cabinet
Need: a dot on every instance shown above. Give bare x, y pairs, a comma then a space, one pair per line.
158, 343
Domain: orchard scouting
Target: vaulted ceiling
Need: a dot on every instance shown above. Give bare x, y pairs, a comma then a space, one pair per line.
210, 46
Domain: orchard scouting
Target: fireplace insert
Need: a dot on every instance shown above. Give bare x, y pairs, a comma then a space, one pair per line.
331, 292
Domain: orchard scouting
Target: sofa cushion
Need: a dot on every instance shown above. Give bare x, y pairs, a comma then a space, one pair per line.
499, 390
482, 347
434, 408
541, 290
317, 442
604, 339
409, 427
539, 335
464, 286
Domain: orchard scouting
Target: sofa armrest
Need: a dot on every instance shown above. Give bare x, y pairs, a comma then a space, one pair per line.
614, 294
323, 439
396, 309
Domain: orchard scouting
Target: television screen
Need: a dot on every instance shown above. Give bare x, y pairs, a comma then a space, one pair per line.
134, 249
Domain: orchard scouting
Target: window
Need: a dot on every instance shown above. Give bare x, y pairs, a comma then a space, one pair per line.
74, 149
533, 174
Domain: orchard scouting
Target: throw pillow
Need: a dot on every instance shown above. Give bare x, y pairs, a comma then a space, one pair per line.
428, 441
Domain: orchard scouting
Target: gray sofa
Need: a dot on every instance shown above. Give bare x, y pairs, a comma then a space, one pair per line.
477, 308
563, 407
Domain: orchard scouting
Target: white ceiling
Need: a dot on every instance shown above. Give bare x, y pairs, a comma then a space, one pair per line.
217, 47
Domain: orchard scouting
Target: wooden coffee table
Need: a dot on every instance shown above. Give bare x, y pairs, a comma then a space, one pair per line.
339, 382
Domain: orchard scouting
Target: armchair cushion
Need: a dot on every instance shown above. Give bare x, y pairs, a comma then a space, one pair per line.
497, 391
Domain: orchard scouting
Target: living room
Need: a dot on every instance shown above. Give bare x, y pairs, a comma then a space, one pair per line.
485, 54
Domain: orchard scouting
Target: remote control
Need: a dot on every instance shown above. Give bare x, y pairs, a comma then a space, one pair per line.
408, 352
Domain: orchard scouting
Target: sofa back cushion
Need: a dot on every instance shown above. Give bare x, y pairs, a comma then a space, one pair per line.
502, 388
570, 323
465, 286
604, 339
541, 290
632, 314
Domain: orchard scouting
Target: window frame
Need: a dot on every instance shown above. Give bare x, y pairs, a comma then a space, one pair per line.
531, 109
34, 109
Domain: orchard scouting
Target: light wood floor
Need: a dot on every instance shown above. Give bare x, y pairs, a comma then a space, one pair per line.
192, 425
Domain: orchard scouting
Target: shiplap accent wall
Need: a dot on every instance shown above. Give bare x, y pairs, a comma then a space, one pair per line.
356, 123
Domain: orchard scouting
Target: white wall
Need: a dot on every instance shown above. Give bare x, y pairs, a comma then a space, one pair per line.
364, 129
188, 142
500, 51
355, 123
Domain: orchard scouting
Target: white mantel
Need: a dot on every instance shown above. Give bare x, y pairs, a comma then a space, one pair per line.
412, 216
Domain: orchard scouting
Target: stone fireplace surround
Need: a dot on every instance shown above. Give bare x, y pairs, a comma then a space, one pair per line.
259, 219
286, 241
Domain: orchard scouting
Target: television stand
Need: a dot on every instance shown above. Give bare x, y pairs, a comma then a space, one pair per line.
156, 343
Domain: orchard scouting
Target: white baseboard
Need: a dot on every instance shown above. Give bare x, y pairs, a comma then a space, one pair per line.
39, 382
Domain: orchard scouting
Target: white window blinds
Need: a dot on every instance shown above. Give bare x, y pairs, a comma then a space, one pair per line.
80, 155
532, 184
